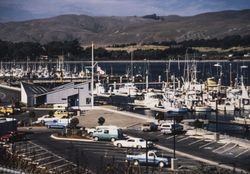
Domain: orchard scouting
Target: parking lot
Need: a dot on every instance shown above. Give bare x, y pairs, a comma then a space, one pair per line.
92, 155
43, 158
229, 153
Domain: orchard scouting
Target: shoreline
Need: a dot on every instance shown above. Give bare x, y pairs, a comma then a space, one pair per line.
135, 61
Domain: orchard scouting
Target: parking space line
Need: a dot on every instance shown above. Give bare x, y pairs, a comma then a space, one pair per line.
230, 148
40, 154
23, 149
207, 144
183, 139
52, 162
170, 137
41, 159
195, 142
245, 151
63, 165
221, 147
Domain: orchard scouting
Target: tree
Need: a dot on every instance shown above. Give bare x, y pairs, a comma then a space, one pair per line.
198, 124
101, 120
32, 115
73, 123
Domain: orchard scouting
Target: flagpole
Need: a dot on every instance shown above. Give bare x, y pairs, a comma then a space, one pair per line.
92, 77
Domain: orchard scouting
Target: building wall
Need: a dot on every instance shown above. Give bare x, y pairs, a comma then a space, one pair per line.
60, 96
24, 98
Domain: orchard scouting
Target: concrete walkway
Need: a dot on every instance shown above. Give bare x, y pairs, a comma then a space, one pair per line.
121, 119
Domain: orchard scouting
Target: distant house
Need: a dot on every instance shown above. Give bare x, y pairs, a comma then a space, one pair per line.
70, 94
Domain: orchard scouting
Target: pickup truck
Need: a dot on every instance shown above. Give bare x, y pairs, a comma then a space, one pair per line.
154, 158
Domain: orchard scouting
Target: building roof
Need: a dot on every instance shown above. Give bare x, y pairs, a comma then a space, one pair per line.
32, 89
64, 87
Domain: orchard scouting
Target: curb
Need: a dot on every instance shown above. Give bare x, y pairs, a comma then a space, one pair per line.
70, 139
202, 159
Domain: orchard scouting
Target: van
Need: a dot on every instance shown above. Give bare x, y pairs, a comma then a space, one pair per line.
107, 133
168, 128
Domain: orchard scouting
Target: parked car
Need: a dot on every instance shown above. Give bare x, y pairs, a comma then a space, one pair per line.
168, 128
107, 133
13, 136
149, 126
46, 118
61, 113
6, 110
154, 158
134, 143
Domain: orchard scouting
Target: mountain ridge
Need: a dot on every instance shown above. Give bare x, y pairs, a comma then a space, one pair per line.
108, 30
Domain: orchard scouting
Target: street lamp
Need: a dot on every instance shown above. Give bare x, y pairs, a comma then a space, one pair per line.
218, 90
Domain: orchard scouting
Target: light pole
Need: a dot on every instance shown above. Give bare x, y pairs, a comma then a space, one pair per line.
216, 100
231, 82
244, 92
92, 76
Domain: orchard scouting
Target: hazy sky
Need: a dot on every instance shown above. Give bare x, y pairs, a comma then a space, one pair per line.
13, 10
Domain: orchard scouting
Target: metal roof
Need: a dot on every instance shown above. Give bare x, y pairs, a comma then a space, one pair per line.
33, 89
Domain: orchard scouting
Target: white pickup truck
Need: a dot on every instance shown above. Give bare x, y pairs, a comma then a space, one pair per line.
154, 158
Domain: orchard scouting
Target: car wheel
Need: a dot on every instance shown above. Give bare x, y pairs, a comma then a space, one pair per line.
91, 134
136, 162
161, 164
119, 145
138, 146
112, 139
96, 138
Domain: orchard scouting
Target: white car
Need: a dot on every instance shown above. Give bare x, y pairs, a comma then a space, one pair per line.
133, 142
46, 118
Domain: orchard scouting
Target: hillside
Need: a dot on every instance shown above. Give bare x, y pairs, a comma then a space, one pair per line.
115, 30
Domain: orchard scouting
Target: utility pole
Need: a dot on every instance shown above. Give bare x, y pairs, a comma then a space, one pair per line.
92, 77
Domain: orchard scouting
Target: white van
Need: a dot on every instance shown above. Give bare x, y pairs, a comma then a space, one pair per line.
107, 133
168, 128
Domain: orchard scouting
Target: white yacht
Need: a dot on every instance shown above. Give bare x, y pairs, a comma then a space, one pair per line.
149, 99
128, 89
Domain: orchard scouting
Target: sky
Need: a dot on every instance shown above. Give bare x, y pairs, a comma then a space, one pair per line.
19, 10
